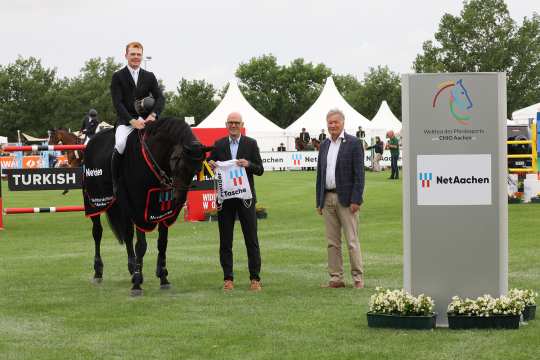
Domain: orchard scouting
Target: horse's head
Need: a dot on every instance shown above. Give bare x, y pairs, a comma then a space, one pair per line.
460, 96
185, 162
53, 140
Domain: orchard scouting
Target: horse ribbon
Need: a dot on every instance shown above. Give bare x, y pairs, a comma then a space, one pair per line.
232, 181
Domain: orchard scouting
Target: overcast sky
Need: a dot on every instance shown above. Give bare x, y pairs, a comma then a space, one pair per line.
203, 39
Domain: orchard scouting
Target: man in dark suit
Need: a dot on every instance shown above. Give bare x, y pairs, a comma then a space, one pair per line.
246, 151
340, 188
322, 136
129, 84
304, 136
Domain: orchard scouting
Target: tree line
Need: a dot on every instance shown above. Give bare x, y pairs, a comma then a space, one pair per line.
483, 37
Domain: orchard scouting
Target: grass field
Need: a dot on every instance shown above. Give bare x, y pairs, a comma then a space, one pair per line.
49, 309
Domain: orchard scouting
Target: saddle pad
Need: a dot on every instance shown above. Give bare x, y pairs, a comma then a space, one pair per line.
97, 183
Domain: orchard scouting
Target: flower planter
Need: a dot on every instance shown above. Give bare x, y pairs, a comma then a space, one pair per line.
514, 201
457, 322
529, 313
261, 214
376, 320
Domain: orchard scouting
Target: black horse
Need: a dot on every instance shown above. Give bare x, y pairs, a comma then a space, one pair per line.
158, 167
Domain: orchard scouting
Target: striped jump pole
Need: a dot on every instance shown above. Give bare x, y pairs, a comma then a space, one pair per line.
43, 148
44, 209
37, 210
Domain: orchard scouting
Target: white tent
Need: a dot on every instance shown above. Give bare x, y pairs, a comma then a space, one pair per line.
314, 119
267, 134
384, 120
522, 116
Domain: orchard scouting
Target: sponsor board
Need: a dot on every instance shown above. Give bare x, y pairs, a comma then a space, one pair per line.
301, 159
44, 179
463, 179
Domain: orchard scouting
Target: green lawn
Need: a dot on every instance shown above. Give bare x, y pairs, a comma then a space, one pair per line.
49, 309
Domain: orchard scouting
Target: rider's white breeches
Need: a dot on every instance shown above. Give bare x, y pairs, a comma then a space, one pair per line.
120, 137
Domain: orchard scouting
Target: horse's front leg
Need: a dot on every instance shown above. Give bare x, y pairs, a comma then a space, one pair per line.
137, 278
161, 266
97, 232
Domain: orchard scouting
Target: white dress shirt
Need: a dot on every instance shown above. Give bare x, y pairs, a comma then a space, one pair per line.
331, 161
233, 143
134, 74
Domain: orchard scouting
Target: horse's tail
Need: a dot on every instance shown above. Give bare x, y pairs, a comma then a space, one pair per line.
119, 222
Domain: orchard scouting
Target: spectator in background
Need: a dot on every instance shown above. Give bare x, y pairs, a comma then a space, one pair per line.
304, 136
322, 136
360, 134
393, 146
281, 147
378, 148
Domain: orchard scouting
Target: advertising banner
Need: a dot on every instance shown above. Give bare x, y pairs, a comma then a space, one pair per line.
44, 179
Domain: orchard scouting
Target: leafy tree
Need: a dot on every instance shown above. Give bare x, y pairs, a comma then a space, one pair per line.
27, 97
192, 98
281, 93
89, 90
485, 38
380, 84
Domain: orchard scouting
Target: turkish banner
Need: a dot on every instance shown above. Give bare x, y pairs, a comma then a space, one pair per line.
44, 179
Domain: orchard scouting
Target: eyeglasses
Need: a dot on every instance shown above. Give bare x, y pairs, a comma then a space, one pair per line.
237, 123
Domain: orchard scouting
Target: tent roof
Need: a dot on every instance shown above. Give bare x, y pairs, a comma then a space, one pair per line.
385, 119
33, 139
314, 119
526, 113
235, 101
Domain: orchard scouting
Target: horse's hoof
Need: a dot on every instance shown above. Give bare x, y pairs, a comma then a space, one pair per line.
165, 286
97, 280
136, 292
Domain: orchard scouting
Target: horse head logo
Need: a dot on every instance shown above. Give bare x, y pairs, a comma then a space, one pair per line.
459, 100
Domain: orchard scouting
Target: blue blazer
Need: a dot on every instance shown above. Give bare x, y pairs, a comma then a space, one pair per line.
349, 172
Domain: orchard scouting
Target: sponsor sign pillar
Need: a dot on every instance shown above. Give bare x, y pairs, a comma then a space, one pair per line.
455, 226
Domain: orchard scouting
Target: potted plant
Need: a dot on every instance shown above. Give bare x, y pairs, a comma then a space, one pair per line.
211, 215
260, 212
485, 312
528, 298
515, 198
399, 309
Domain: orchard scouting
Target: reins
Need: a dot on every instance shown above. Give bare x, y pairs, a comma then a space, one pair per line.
162, 176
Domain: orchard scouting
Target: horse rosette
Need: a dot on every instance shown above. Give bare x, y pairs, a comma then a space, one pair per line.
232, 182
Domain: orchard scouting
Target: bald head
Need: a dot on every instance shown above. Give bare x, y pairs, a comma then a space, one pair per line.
234, 116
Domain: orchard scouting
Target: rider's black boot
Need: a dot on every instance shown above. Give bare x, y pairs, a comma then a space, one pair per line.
116, 164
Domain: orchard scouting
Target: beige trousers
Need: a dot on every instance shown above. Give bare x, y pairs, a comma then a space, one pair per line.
336, 218
377, 162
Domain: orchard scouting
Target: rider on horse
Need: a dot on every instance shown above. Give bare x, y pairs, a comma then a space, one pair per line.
129, 86
89, 125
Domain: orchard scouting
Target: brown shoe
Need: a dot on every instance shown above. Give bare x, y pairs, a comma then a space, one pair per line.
255, 285
334, 285
359, 284
228, 285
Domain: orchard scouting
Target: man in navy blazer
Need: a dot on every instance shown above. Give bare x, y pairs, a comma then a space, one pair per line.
340, 188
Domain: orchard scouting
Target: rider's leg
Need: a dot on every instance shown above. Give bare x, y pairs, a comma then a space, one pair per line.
120, 137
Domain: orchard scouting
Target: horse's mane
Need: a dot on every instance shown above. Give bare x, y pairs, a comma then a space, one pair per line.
170, 127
